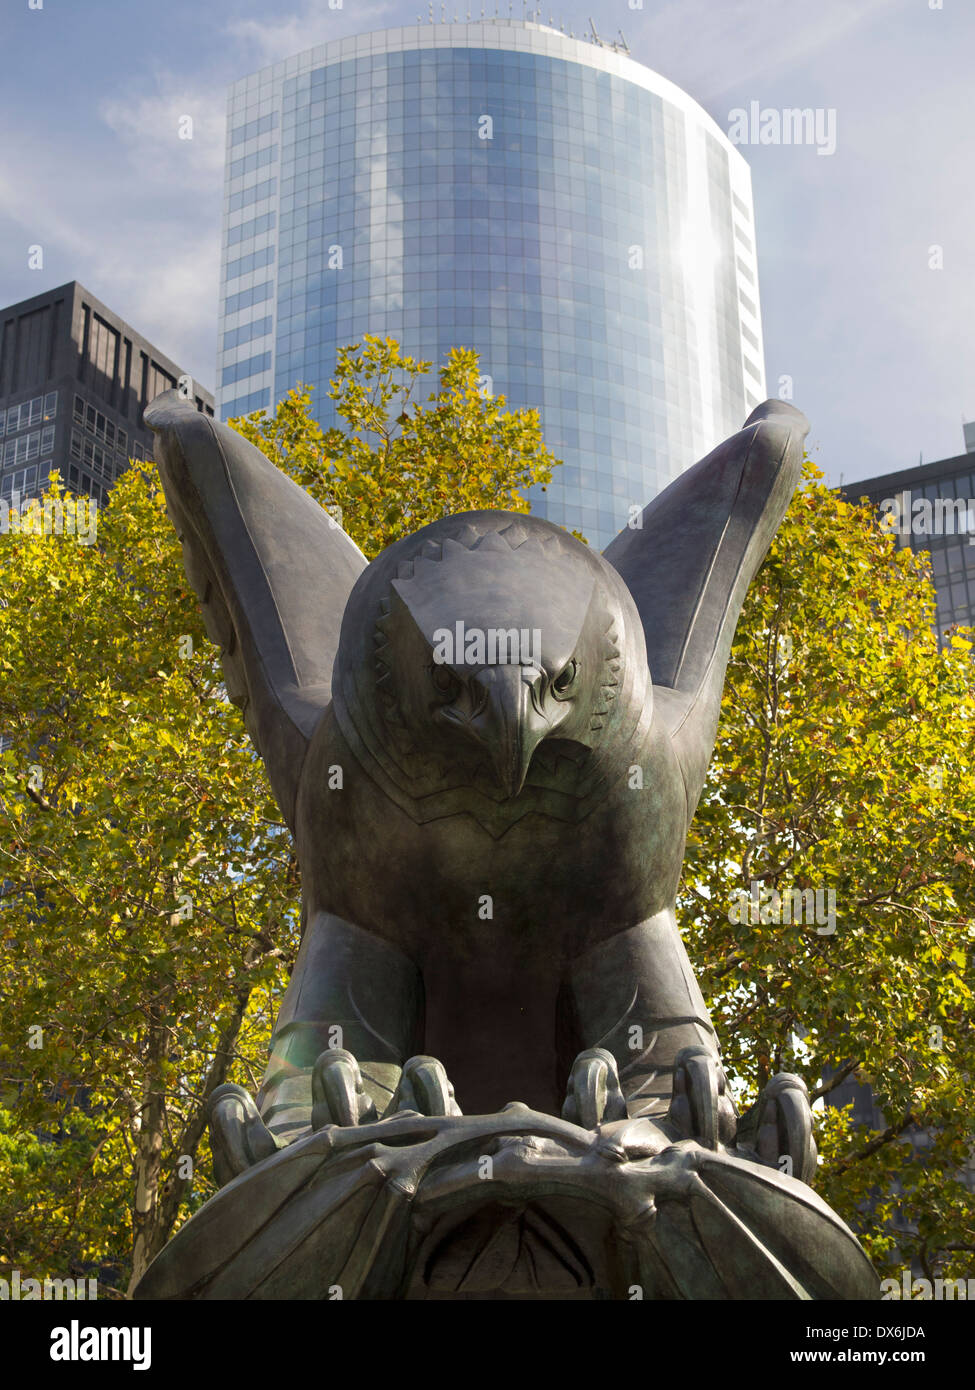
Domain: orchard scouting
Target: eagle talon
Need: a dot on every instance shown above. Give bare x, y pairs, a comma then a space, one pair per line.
338, 1095
778, 1128
594, 1094
239, 1137
425, 1088
701, 1107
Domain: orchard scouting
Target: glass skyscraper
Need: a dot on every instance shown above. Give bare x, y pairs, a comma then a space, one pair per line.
573, 216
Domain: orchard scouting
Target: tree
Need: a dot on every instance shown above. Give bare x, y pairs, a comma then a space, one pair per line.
401, 463
844, 767
130, 794
148, 891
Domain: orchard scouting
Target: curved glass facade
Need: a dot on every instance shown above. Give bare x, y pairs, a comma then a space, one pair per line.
570, 214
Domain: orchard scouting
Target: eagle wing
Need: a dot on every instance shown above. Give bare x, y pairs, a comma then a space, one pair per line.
273, 572
690, 560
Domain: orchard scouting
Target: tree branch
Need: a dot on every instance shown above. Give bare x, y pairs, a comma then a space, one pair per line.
846, 1070
890, 1133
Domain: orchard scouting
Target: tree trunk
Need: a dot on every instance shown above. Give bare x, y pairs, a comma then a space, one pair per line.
157, 1205
149, 1143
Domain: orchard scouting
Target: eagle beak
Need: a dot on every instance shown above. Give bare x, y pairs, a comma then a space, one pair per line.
508, 722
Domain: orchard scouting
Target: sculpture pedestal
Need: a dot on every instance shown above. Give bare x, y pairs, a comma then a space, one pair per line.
516, 1205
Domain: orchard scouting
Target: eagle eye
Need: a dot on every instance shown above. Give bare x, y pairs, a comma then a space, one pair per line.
444, 681
565, 680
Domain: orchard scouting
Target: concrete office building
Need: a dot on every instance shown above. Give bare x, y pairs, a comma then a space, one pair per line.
934, 510
575, 217
74, 380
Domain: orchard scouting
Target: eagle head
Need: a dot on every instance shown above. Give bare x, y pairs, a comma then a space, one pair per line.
486, 648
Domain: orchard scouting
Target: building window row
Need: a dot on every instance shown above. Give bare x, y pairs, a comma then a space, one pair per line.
745, 241
246, 333
258, 160
246, 405
235, 302
101, 460
28, 446
80, 483
244, 264
33, 412
25, 483
253, 128
89, 418
245, 230
250, 367
267, 189
24, 480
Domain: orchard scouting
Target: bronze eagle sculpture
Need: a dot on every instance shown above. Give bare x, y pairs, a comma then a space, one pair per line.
489, 744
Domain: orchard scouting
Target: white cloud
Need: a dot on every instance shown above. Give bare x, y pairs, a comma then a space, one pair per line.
267, 41
138, 223
738, 41
149, 127
174, 303
159, 262
25, 198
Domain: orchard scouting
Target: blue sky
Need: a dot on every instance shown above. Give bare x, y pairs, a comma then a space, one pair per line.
880, 346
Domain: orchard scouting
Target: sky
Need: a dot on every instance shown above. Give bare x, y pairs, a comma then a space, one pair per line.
872, 324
